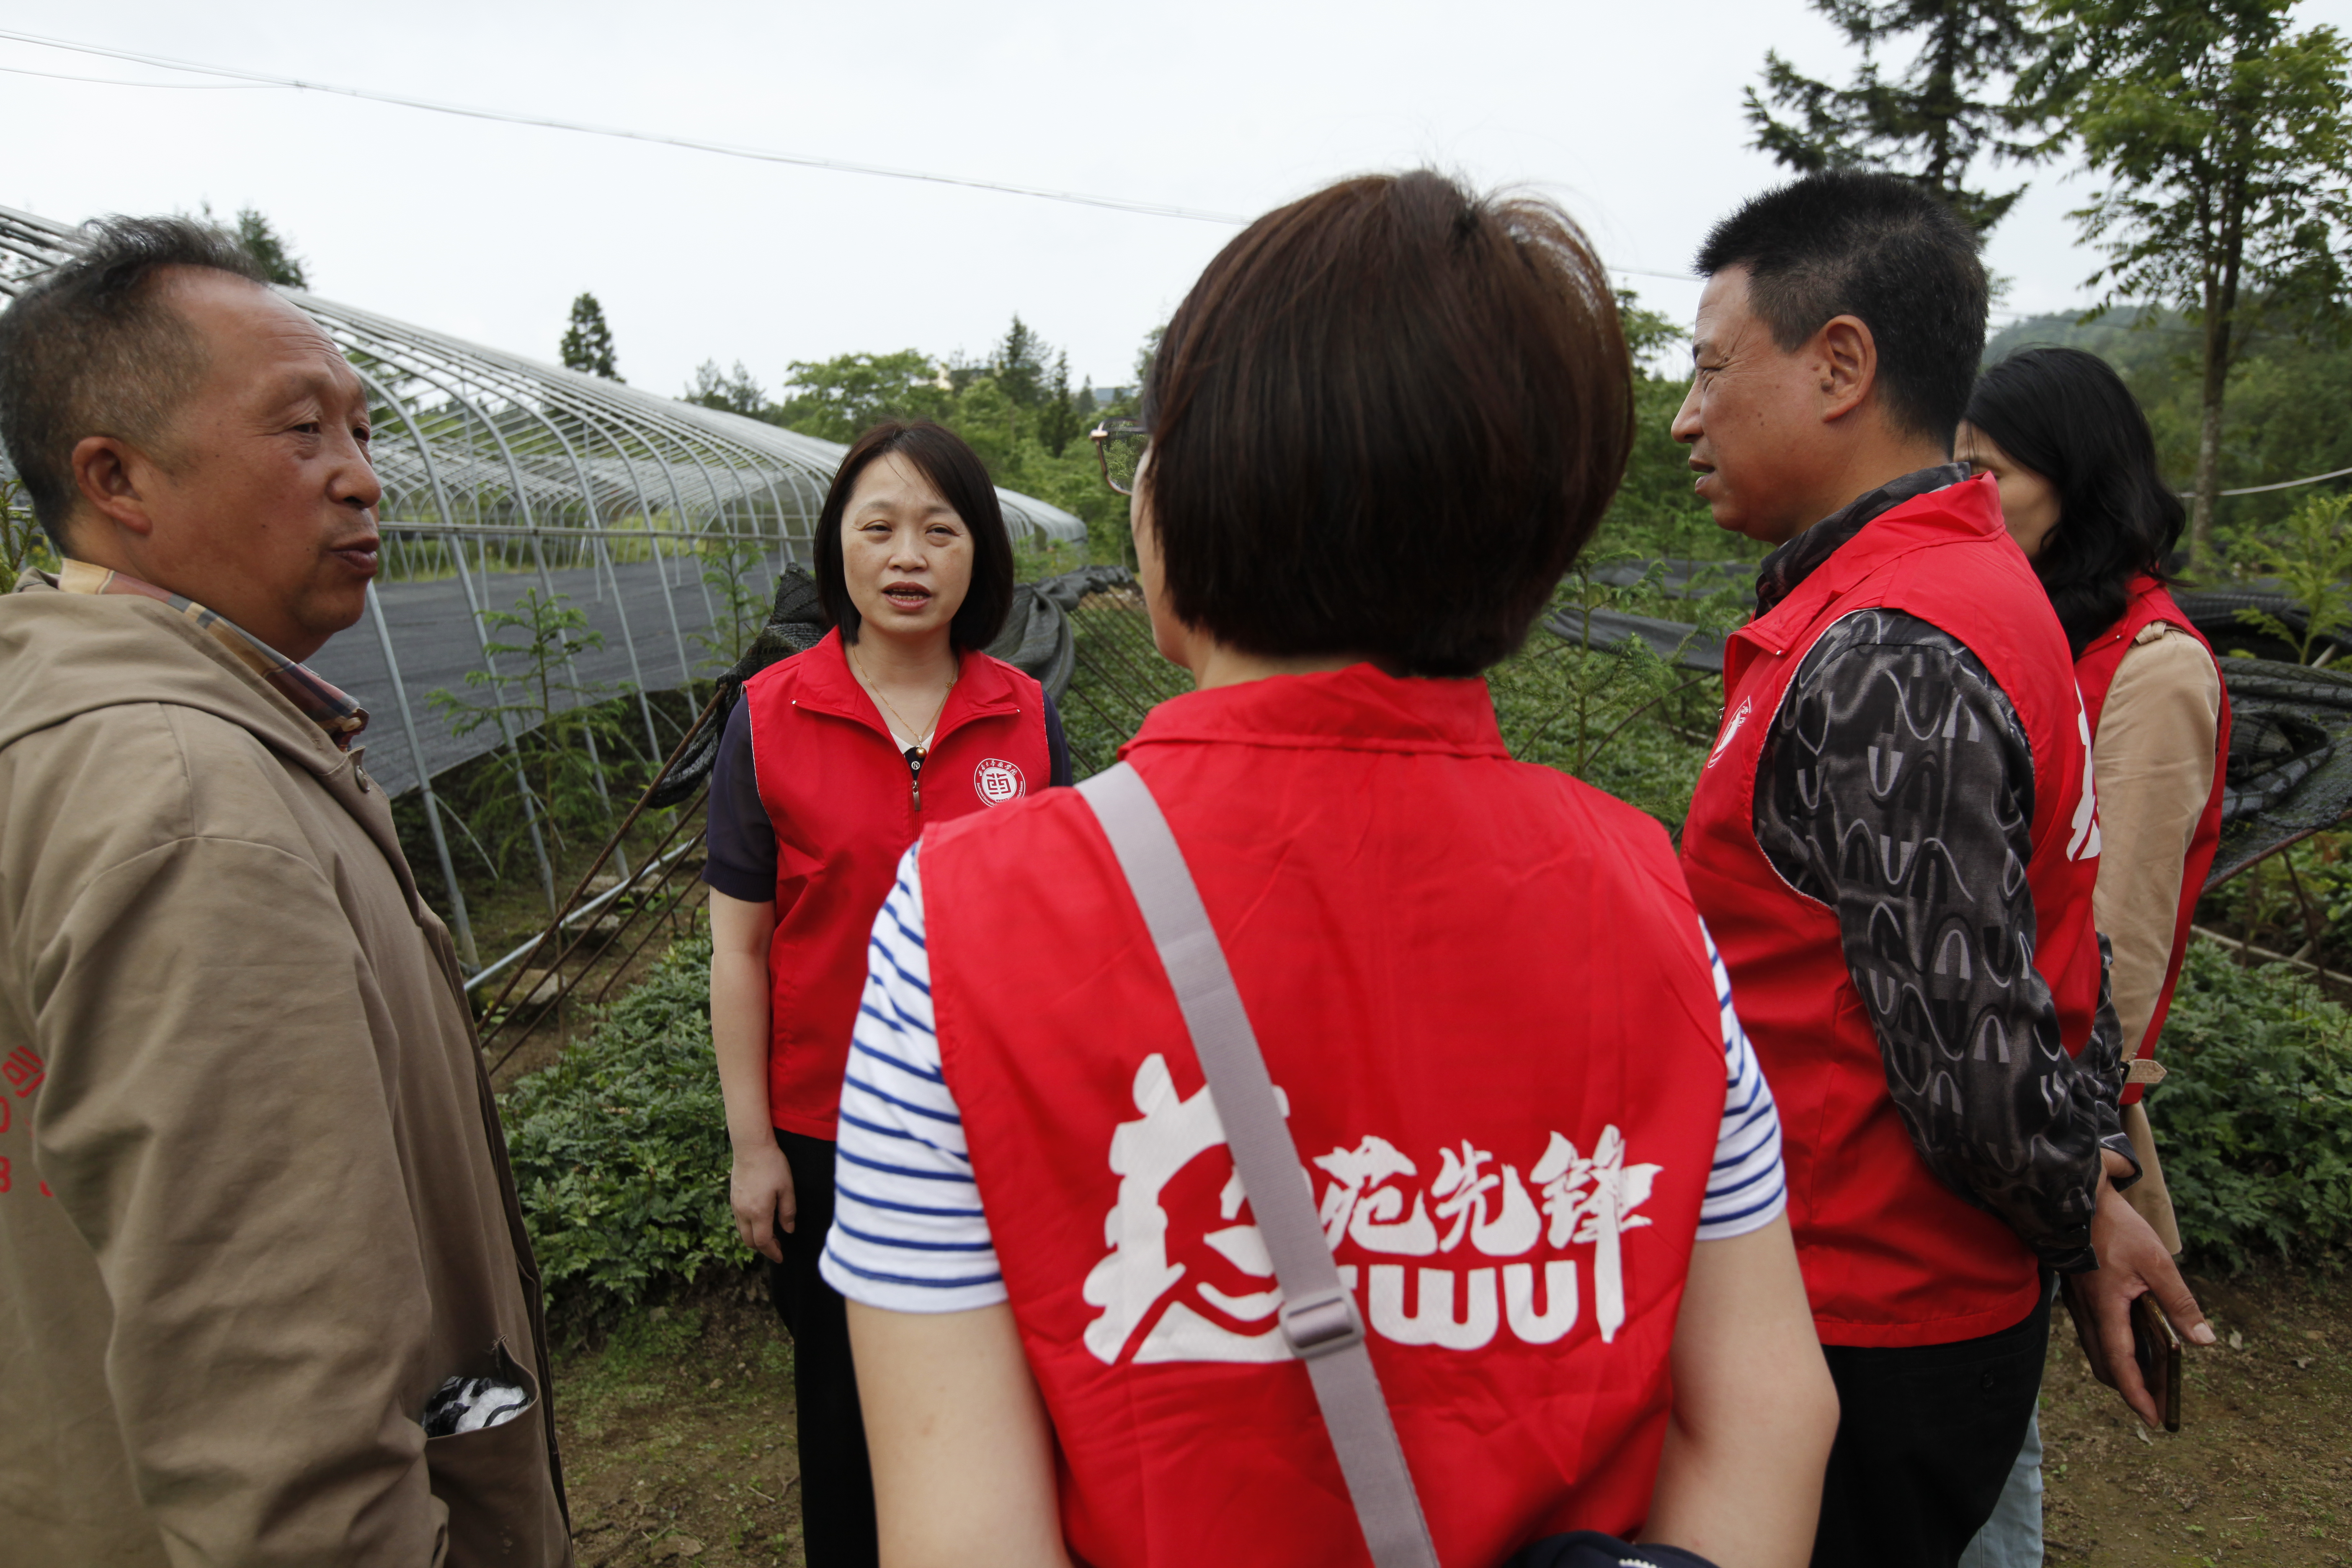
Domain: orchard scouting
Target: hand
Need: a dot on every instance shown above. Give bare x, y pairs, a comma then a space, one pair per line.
2132, 1263
760, 1190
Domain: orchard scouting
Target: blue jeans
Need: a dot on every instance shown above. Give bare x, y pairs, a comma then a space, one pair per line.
2012, 1537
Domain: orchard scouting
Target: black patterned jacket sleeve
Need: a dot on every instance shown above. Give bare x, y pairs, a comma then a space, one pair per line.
1897, 786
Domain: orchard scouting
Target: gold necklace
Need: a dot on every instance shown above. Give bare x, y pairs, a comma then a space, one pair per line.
917, 753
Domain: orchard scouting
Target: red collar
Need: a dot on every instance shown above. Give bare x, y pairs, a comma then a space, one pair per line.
823, 683
1966, 512
1355, 709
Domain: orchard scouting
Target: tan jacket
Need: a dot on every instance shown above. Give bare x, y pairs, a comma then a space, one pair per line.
257, 1204
2154, 761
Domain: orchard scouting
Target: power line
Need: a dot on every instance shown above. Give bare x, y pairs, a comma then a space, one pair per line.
2283, 484
244, 78
838, 165
168, 86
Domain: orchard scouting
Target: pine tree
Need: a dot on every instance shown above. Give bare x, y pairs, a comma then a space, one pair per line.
1020, 365
588, 342
1931, 122
1058, 422
269, 247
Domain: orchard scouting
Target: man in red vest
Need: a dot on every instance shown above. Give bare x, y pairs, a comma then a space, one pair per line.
1894, 841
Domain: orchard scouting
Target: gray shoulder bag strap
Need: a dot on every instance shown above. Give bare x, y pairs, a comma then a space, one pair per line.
1320, 1319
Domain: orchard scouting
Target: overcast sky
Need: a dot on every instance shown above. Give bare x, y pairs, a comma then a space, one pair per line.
1628, 114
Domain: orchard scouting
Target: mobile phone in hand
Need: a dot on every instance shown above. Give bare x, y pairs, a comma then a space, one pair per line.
2157, 1347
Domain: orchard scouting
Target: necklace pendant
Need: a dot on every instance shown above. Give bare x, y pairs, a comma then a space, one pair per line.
915, 756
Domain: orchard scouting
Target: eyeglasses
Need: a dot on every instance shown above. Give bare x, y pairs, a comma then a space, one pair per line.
1119, 443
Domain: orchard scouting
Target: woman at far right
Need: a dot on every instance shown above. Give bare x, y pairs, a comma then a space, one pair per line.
2067, 444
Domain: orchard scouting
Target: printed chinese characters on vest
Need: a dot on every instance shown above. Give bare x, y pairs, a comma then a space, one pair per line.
1473, 1210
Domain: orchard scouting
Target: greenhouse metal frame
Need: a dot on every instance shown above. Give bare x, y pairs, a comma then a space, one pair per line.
496, 464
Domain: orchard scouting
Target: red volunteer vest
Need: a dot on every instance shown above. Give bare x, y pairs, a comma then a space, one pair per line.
2095, 671
1891, 1255
837, 789
1480, 987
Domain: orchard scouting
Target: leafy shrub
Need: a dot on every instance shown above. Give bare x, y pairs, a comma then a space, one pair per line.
2255, 1124
620, 1149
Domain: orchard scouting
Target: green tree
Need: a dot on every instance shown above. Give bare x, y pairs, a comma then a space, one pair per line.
2223, 140
835, 399
1058, 421
734, 393
1019, 364
588, 341
270, 248
1931, 122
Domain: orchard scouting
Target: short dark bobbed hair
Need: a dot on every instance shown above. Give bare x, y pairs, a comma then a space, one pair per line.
954, 470
1878, 247
1383, 422
90, 348
2068, 416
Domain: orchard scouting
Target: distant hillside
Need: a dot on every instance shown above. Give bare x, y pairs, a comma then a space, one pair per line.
2289, 412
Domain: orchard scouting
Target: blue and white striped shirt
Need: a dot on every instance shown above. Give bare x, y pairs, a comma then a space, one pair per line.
908, 1231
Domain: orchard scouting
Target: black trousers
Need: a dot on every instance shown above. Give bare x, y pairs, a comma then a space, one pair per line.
836, 1483
1925, 1442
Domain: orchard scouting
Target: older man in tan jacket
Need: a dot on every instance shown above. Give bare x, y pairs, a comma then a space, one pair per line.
255, 1210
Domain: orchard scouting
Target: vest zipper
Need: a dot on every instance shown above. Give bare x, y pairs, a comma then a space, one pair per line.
915, 756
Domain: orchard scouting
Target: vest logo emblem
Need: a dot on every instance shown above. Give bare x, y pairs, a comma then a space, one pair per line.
998, 780
1567, 1199
1730, 731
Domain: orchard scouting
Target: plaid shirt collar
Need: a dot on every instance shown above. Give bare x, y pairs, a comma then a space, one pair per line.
322, 704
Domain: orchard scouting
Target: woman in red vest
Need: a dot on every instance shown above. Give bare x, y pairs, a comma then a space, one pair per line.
831, 765
1531, 1130
2080, 492
2072, 452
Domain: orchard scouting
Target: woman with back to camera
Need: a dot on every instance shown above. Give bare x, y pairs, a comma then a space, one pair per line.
2072, 452
830, 766
1380, 426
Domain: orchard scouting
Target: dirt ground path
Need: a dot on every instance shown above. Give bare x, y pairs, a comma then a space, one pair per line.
2261, 1471
678, 1441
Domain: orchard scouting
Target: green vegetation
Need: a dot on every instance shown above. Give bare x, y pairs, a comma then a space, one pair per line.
2222, 142
2311, 557
1620, 719
737, 571
2283, 418
620, 1150
2297, 902
2255, 1120
563, 731
22, 542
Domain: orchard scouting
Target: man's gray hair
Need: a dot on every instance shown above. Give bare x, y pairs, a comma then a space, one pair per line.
91, 349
